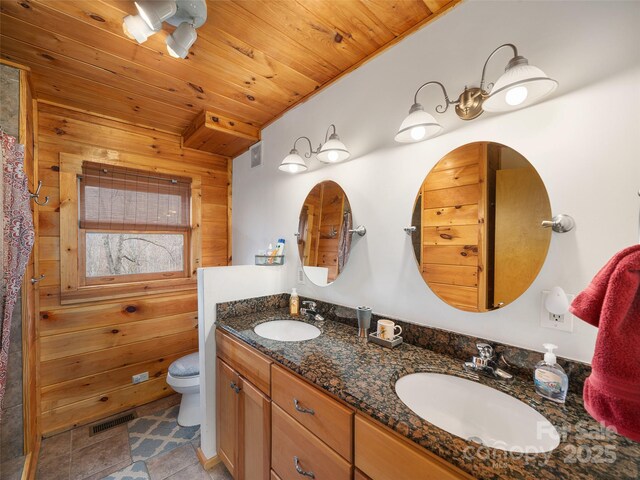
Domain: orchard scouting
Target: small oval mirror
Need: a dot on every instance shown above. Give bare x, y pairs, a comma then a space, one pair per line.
324, 241
478, 240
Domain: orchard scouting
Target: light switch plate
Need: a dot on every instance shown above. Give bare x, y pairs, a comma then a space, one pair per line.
563, 323
301, 276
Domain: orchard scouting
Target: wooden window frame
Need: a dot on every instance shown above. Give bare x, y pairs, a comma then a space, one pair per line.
131, 277
74, 287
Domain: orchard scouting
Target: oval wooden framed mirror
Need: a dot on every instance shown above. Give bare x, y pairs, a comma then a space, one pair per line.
479, 243
324, 241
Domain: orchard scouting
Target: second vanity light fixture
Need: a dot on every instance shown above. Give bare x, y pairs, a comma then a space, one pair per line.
186, 15
331, 151
520, 85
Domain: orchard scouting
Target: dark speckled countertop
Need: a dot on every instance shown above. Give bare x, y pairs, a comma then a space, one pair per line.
363, 375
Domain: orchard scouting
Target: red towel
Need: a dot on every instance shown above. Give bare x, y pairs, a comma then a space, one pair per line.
612, 303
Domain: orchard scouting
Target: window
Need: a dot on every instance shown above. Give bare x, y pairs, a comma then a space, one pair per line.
126, 232
134, 225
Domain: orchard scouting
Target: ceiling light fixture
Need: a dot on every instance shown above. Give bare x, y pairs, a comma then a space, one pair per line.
519, 86
156, 12
136, 28
180, 41
332, 151
186, 15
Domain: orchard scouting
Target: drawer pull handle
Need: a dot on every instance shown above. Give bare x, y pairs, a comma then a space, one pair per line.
299, 469
235, 387
296, 404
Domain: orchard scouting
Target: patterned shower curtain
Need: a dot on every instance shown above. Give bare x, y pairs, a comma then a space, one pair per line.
17, 239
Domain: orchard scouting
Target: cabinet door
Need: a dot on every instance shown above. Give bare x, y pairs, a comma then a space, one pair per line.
255, 434
227, 421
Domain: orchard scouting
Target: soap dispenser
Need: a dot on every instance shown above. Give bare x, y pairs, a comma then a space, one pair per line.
294, 303
550, 380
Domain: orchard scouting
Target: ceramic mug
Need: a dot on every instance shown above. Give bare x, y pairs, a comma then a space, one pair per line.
387, 329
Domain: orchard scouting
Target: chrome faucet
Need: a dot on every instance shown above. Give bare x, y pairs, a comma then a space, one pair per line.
485, 364
311, 312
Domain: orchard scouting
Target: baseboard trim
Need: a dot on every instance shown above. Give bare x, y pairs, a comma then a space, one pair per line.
31, 463
207, 463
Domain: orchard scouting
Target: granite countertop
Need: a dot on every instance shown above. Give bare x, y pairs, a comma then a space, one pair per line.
363, 375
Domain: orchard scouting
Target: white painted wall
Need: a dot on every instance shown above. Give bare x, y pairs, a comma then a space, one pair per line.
583, 142
216, 285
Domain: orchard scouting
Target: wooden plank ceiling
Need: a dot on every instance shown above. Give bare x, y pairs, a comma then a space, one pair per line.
253, 59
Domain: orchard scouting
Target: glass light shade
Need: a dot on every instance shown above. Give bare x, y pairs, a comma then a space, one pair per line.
136, 28
333, 151
181, 40
557, 301
417, 126
293, 163
154, 12
519, 86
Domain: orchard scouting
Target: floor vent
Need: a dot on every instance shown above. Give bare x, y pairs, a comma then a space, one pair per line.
101, 427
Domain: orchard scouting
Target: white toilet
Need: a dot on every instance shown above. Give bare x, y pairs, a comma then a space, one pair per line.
184, 378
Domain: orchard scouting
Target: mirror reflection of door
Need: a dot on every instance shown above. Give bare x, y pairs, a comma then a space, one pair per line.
323, 218
482, 243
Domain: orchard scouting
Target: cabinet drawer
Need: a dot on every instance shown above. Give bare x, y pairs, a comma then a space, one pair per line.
274, 476
382, 455
245, 360
291, 440
330, 421
358, 475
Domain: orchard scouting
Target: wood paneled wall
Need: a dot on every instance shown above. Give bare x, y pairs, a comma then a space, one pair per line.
89, 351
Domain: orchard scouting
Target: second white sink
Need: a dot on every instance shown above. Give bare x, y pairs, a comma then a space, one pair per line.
477, 413
287, 330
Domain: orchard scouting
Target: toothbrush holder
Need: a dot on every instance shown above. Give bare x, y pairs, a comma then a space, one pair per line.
364, 320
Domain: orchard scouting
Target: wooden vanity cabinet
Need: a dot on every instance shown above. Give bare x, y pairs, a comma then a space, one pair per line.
382, 454
264, 422
243, 417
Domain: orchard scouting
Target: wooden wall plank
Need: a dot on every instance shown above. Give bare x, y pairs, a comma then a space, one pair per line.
103, 405
76, 366
90, 350
65, 393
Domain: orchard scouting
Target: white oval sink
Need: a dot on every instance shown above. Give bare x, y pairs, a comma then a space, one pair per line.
477, 413
287, 330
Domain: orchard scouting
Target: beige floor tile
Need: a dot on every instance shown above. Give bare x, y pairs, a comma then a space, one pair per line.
108, 471
101, 456
80, 437
163, 466
53, 467
220, 472
56, 446
193, 472
159, 405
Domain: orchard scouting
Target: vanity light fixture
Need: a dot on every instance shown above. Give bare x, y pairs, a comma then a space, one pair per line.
331, 151
519, 86
186, 15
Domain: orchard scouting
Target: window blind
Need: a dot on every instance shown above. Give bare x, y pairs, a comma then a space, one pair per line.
120, 198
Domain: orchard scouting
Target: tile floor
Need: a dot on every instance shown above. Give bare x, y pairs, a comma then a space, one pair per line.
151, 447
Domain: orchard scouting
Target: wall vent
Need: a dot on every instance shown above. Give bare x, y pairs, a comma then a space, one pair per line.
101, 427
256, 155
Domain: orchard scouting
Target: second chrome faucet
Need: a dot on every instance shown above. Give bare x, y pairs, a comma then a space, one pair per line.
485, 364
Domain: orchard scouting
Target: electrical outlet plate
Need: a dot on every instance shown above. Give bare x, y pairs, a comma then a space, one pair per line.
140, 377
563, 323
301, 276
